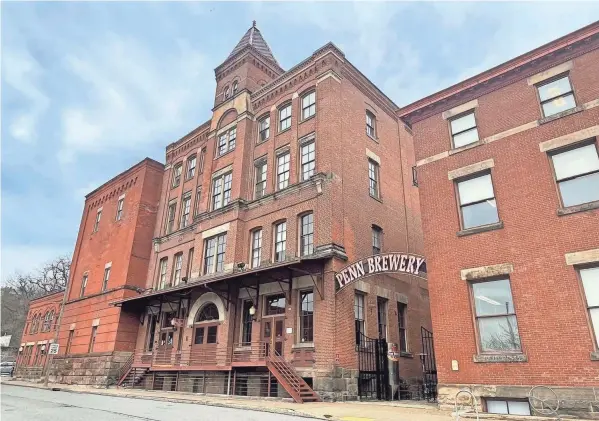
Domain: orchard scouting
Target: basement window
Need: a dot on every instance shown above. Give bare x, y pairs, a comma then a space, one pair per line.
508, 407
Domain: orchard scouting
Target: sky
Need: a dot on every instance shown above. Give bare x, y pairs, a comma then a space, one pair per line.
89, 89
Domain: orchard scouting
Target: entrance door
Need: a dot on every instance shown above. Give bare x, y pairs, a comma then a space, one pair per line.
272, 333
165, 347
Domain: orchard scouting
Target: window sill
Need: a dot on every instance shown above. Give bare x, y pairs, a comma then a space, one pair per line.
260, 142
483, 228
283, 131
175, 186
560, 115
303, 345
308, 118
404, 354
373, 138
465, 147
595, 356
226, 153
378, 199
243, 348
578, 208
500, 358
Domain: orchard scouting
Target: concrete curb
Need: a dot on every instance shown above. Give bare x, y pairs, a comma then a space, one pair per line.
232, 405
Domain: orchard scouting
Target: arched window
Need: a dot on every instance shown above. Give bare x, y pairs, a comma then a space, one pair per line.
51, 320
36, 322
226, 91
208, 313
46, 325
234, 87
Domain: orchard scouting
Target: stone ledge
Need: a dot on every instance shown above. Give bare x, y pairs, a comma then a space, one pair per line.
578, 208
560, 115
483, 228
500, 358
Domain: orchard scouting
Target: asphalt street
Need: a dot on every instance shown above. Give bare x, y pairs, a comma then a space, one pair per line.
31, 404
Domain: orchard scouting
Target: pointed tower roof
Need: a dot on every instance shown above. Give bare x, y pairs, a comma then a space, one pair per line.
253, 37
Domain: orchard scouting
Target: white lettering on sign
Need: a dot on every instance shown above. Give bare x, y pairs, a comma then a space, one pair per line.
382, 263
53, 350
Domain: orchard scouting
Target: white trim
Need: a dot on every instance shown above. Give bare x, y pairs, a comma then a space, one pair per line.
95, 322
99, 209
373, 156
548, 74
483, 272
108, 265
209, 297
582, 257
222, 171
215, 231
122, 196
471, 169
328, 74
72, 327
471, 105
569, 139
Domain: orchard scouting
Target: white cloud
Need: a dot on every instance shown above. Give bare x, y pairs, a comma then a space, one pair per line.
23, 73
131, 97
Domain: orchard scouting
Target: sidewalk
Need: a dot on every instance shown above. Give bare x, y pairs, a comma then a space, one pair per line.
346, 411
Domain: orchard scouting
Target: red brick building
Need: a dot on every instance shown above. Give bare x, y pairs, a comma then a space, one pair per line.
508, 175
38, 333
297, 174
110, 263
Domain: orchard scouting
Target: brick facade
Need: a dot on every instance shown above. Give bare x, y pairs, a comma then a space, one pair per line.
535, 242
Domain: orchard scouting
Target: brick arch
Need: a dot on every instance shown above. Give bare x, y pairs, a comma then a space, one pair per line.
228, 116
209, 297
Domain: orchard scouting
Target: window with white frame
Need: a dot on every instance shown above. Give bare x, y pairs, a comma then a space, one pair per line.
307, 234
119, 208
170, 217
477, 201
283, 164
370, 124
235, 87
260, 183
83, 285
402, 311
202, 159
106, 278
280, 241
196, 203
373, 178
227, 92
308, 158
381, 305
191, 167
221, 190
177, 170
577, 174
590, 284
359, 320
511, 407
226, 141
185, 210
308, 105
214, 253
377, 239
264, 129
189, 262
463, 130
285, 117
556, 96
177, 265
256, 257
246, 322
306, 316
97, 222
162, 281
496, 322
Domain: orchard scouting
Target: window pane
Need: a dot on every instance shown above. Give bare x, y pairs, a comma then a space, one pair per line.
499, 333
475, 189
518, 408
493, 298
463, 123
555, 88
465, 138
590, 282
497, 407
558, 105
199, 336
576, 161
211, 336
480, 214
580, 190
595, 321
275, 305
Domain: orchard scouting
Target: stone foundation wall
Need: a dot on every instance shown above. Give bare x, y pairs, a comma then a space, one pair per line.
30, 374
99, 369
580, 402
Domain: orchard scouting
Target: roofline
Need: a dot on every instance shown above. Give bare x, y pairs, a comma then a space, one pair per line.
47, 295
503, 68
146, 161
197, 131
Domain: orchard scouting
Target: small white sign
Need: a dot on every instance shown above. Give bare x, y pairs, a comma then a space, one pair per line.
289, 330
53, 350
454, 365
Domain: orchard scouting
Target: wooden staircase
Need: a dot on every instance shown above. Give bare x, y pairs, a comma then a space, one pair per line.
133, 377
287, 377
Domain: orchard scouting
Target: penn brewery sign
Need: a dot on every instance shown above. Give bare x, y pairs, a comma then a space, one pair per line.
382, 263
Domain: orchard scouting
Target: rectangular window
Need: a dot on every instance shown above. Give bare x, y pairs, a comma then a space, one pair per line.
189, 263
280, 241
275, 304
177, 174
463, 130
590, 284
308, 153
577, 174
373, 178
507, 407
307, 234
556, 96
246, 322
191, 167
226, 141
69, 342
97, 223
211, 334
106, 278
283, 162
495, 316
214, 253
377, 239
256, 248
162, 277
381, 304
359, 317
92, 340
260, 184
119, 209
221, 191
167, 319
185, 209
308, 105
196, 203
370, 125
170, 217
306, 316
285, 118
83, 285
199, 336
202, 159
178, 264
264, 129
402, 310
477, 201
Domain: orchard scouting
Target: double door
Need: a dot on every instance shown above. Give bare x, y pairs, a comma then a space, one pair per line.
273, 333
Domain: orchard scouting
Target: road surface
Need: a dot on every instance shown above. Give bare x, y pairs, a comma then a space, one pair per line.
30, 404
